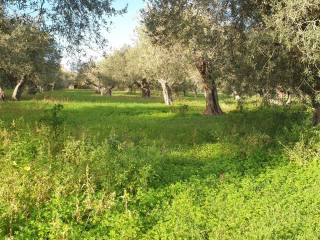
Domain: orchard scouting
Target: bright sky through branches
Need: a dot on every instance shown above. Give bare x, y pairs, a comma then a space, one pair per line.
122, 31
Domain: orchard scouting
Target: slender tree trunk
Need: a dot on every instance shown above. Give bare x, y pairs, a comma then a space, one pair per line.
239, 100
195, 91
184, 92
18, 90
212, 101
2, 95
167, 92
102, 91
289, 99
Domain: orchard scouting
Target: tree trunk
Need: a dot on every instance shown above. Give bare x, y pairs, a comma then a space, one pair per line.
184, 92
2, 95
167, 92
109, 91
312, 92
289, 99
212, 101
16, 95
130, 89
316, 116
316, 111
32, 88
102, 91
53, 85
210, 88
195, 91
145, 89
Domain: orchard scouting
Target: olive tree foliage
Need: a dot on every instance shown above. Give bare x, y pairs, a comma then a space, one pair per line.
75, 22
67, 79
29, 30
296, 25
28, 55
270, 47
167, 68
112, 70
281, 48
90, 75
136, 72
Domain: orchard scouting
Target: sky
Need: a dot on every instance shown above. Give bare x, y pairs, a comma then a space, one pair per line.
122, 31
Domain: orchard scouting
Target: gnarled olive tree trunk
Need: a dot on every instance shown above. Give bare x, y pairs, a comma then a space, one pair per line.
145, 87
166, 92
316, 116
109, 91
212, 101
2, 95
18, 90
210, 89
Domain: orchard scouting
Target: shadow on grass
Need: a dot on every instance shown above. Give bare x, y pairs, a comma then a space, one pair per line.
196, 146
191, 145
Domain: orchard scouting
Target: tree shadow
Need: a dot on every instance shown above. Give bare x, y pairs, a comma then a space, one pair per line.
195, 146
191, 145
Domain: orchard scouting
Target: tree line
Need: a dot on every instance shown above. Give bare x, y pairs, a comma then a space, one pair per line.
266, 47
247, 47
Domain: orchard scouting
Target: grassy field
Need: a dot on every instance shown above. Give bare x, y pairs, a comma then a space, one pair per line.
124, 167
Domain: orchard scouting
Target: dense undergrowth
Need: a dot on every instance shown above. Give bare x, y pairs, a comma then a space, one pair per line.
112, 169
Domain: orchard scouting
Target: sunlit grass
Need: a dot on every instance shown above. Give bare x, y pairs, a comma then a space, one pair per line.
124, 167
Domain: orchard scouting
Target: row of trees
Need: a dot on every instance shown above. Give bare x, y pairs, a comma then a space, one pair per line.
247, 47
143, 66
256, 46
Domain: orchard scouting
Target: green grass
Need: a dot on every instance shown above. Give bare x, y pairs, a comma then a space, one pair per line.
124, 167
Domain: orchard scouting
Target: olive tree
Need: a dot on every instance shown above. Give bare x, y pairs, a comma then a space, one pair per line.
296, 25
163, 66
198, 26
73, 22
27, 54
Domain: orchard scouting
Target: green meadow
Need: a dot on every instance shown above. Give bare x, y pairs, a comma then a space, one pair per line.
75, 165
